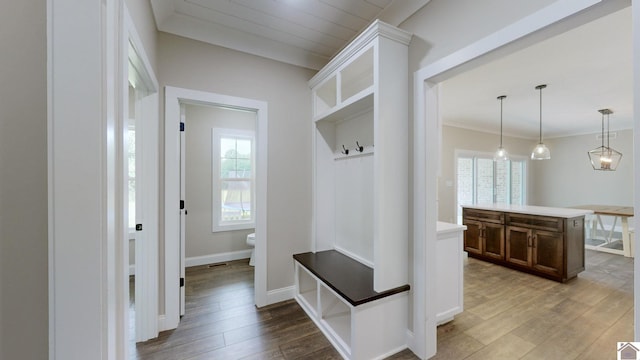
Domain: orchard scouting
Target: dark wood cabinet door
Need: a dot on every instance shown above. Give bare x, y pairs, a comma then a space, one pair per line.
547, 252
473, 237
493, 241
518, 246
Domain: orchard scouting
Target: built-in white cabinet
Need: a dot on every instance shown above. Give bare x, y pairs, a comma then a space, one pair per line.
360, 323
449, 271
360, 115
354, 282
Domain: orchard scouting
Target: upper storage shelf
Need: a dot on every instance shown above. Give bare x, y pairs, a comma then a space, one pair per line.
352, 75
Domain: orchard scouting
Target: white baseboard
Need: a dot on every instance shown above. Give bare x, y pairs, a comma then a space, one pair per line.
411, 344
282, 294
162, 323
217, 258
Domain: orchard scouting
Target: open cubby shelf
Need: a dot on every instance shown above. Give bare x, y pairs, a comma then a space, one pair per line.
352, 280
337, 294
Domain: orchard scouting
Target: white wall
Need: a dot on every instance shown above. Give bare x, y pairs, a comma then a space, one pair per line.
23, 181
195, 65
568, 179
200, 119
454, 138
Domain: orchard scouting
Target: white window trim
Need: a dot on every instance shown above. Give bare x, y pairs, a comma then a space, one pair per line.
216, 135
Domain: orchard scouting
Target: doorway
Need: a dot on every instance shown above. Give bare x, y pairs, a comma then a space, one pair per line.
553, 19
218, 178
175, 101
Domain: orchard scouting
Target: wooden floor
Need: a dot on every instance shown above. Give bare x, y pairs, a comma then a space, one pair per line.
508, 315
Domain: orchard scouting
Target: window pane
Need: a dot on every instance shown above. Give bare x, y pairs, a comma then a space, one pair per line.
244, 148
502, 182
227, 148
465, 185
517, 182
465, 181
484, 187
235, 158
236, 201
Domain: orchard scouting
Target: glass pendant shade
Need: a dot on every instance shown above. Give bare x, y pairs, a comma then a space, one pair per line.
541, 151
604, 157
501, 154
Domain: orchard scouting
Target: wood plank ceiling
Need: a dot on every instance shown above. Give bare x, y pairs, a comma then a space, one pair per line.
306, 33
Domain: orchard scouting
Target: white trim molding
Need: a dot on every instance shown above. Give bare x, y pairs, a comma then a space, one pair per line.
217, 258
636, 160
282, 294
84, 96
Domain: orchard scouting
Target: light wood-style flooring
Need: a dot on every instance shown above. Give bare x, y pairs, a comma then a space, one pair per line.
508, 315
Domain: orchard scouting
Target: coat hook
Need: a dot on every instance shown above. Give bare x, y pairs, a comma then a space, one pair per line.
345, 150
359, 148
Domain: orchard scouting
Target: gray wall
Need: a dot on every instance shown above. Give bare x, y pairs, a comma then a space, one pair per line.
195, 65
568, 178
200, 119
23, 181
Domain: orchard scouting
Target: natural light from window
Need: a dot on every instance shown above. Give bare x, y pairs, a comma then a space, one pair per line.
481, 180
233, 181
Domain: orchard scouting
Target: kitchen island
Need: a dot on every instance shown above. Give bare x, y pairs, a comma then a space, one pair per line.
545, 241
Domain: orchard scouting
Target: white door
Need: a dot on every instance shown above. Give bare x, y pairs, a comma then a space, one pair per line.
183, 209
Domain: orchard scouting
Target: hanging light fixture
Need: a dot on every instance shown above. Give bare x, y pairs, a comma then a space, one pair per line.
501, 154
603, 157
541, 151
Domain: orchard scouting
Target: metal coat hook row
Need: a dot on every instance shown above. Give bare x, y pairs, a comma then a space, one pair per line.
345, 150
359, 148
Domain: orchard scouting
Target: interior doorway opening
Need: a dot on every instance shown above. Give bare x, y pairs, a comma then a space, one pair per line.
177, 102
218, 186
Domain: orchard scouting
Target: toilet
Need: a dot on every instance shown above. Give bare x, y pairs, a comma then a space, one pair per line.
251, 241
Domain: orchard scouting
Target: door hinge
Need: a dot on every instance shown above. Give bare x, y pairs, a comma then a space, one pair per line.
181, 126
181, 204
138, 227
181, 282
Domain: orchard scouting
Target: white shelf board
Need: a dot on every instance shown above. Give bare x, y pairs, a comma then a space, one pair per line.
354, 105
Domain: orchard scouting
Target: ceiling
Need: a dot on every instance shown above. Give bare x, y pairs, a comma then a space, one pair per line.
305, 33
586, 69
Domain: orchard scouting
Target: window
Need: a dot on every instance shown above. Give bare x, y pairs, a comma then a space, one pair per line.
480, 180
233, 179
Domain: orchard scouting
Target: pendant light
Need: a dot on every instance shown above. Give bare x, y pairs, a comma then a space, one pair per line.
603, 157
501, 154
541, 151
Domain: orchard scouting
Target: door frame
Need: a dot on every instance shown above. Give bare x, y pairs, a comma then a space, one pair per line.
146, 247
552, 20
174, 97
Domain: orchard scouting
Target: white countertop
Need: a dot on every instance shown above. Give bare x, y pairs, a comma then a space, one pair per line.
532, 210
443, 227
